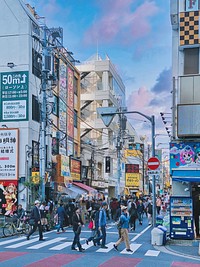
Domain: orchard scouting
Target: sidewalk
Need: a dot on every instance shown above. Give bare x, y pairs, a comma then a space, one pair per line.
185, 247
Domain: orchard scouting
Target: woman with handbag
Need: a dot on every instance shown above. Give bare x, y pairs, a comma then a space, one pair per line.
93, 225
77, 223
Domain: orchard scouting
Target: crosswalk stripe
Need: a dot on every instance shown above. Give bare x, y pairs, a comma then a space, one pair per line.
153, 253
46, 243
11, 241
27, 242
85, 246
61, 246
106, 250
133, 247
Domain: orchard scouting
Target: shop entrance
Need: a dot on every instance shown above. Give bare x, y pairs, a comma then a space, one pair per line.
196, 207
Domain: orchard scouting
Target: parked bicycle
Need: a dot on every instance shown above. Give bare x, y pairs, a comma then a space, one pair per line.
15, 226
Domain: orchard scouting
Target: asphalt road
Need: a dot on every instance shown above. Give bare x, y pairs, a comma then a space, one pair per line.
56, 251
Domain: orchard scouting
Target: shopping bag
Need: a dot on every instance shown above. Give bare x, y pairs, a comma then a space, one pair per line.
90, 225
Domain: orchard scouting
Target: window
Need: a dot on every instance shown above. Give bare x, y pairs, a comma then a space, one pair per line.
35, 109
75, 86
36, 63
75, 118
191, 61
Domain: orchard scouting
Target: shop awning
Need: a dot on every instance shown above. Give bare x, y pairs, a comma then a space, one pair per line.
73, 191
186, 175
85, 187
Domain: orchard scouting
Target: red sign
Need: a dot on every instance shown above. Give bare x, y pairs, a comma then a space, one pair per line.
153, 163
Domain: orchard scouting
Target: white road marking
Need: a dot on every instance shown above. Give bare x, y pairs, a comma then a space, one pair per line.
138, 235
152, 253
133, 247
11, 240
106, 250
27, 242
61, 246
46, 243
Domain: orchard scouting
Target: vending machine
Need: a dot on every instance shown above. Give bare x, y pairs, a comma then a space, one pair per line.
181, 218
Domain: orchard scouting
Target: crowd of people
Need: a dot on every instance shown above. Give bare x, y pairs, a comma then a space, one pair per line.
97, 213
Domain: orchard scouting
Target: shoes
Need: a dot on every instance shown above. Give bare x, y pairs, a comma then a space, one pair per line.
81, 250
115, 247
41, 239
104, 247
94, 243
73, 249
87, 242
129, 250
27, 237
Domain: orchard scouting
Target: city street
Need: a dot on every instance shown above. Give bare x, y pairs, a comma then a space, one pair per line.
56, 251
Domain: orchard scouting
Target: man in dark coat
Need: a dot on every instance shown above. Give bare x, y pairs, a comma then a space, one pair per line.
36, 216
61, 217
77, 224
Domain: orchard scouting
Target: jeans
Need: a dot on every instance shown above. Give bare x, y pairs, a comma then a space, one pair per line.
76, 241
102, 236
60, 224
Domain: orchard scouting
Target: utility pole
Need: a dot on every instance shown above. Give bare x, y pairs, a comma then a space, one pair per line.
43, 116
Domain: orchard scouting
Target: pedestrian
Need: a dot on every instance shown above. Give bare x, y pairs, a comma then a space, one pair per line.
140, 211
94, 221
133, 216
20, 216
158, 205
61, 217
43, 213
150, 211
36, 217
77, 223
124, 220
102, 226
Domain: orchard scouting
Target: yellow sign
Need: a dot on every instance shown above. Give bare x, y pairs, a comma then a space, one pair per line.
132, 180
132, 153
35, 177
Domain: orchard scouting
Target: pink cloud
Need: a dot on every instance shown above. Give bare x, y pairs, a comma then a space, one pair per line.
139, 100
120, 22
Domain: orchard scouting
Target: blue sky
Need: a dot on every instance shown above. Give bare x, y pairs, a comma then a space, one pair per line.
135, 34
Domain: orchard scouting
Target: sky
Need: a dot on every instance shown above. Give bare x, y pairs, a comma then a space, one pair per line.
135, 34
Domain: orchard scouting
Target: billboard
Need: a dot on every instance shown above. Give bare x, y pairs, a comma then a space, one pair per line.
70, 104
14, 96
8, 197
185, 160
9, 148
75, 169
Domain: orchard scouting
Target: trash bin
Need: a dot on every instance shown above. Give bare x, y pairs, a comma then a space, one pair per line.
159, 220
164, 229
157, 236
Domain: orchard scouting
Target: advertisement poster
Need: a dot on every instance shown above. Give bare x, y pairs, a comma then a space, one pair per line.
70, 104
185, 161
8, 197
75, 168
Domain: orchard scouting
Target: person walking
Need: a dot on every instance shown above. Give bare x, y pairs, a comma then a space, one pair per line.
102, 226
140, 211
61, 217
36, 216
124, 220
77, 223
150, 211
133, 216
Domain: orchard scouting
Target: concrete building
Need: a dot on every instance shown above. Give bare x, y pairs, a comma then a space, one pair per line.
23, 90
185, 143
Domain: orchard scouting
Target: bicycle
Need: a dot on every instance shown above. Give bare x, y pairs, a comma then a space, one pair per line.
14, 226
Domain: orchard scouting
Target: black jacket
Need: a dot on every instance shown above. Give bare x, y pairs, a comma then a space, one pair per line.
75, 221
35, 214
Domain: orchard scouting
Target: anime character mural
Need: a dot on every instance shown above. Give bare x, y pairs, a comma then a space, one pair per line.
10, 193
185, 155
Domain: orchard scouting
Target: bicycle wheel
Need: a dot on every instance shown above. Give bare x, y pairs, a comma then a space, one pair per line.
26, 228
8, 229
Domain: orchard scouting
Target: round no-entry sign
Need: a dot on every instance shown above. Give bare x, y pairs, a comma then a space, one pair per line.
153, 163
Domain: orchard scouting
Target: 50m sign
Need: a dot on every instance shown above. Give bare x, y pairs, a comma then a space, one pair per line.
14, 96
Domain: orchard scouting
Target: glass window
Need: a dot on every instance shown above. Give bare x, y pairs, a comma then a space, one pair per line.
35, 109
191, 61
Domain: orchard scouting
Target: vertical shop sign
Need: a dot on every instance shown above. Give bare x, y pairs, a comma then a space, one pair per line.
70, 104
9, 154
